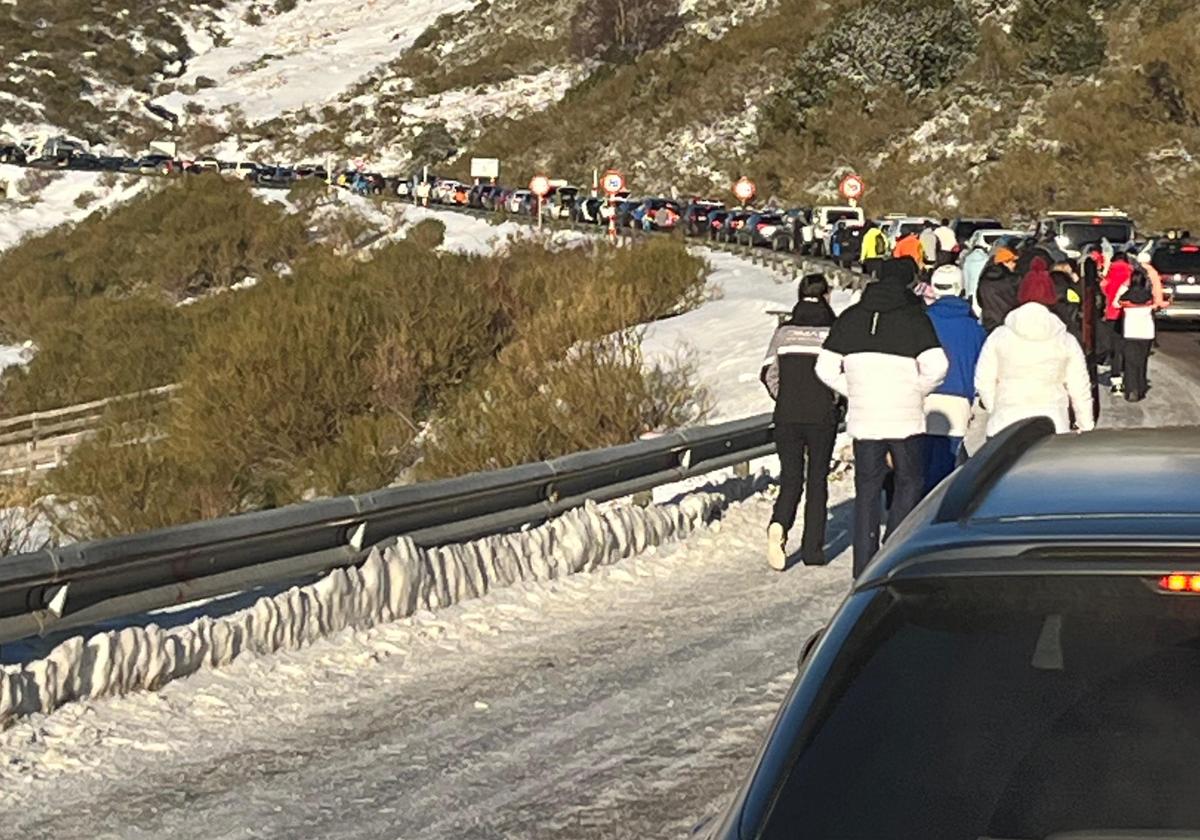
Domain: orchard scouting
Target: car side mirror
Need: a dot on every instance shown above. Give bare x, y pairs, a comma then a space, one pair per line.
808, 647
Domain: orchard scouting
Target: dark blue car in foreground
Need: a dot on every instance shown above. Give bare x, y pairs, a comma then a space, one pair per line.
1022, 660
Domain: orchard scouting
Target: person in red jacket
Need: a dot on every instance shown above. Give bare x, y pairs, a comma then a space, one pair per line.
1118, 276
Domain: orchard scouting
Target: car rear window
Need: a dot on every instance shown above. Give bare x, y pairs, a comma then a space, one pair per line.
1079, 234
967, 227
1185, 260
832, 216
1004, 708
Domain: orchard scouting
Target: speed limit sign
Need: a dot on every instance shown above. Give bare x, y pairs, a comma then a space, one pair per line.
539, 185
744, 189
851, 187
613, 182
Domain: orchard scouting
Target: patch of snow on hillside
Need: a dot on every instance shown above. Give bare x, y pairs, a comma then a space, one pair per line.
302, 57
521, 94
55, 203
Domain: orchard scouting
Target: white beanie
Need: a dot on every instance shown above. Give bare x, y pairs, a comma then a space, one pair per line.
947, 281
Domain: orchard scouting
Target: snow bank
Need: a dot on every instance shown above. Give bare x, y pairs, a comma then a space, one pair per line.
397, 580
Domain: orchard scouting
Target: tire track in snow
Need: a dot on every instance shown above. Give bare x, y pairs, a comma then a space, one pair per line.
621, 703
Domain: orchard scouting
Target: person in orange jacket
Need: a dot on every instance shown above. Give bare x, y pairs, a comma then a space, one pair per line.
909, 245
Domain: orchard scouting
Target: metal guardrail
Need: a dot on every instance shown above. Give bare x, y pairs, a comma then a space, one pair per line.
80, 584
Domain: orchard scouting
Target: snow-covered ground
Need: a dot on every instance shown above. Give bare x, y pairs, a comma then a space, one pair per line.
303, 57
56, 202
15, 354
620, 703
727, 336
508, 98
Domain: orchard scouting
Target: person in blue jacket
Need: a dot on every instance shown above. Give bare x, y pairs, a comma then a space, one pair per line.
948, 409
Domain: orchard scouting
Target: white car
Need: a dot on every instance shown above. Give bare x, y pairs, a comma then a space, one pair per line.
443, 191
899, 226
814, 236
986, 238
516, 201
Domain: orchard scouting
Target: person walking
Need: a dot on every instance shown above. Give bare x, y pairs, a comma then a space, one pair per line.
947, 242
806, 421
929, 245
1032, 367
948, 408
874, 249
996, 295
883, 355
1120, 272
972, 267
1137, 330
909, 245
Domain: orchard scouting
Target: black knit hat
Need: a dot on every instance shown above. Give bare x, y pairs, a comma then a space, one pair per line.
813, 286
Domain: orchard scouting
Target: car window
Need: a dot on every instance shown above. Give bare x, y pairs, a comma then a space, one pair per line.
832, 216
1185, 260
1079, 234
1006, 710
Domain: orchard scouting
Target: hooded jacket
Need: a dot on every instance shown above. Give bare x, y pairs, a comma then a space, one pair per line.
788, 370
948, 409
996, 294
884, 356
1031, 367
972, 267
1119, 274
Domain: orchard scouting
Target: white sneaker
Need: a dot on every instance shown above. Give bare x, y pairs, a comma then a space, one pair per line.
776, 547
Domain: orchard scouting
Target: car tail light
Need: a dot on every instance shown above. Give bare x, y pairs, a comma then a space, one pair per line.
1190, 249
761, 225
1188, 582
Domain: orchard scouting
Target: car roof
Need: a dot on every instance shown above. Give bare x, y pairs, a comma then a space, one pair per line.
1029, 490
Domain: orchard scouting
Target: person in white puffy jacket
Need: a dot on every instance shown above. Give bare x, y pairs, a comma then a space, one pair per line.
1032, 367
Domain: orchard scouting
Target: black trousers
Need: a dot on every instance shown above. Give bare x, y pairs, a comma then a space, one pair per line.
872, 266
1114, 344
1137, 359
870, 472
802, 445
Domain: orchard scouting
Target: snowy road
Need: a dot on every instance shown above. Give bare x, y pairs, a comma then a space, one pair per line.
623, 703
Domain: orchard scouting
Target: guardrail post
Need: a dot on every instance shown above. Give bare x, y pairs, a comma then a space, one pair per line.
742, 470
644, 499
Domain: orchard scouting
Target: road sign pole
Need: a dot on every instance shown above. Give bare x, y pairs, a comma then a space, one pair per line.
612, 219
539, 201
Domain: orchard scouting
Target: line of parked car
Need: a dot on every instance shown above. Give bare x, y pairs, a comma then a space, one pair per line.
833, 231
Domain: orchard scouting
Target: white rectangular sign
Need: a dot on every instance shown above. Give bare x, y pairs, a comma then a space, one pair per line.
485, 168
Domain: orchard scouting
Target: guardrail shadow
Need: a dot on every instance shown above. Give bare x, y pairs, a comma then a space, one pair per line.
37, 647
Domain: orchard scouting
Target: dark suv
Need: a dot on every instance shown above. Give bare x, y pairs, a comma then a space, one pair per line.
1179, 264
1021, 660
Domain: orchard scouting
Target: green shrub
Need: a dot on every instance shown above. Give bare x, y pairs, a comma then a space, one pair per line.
600, 395
100, 348
1059, 36
319, 382
191, 236
427, 234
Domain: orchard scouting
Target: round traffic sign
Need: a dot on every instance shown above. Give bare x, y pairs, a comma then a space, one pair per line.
613, 182
851, 187
744, 189
539, 185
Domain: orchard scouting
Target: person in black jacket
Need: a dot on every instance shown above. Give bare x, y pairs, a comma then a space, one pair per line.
806, 421
997, 290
